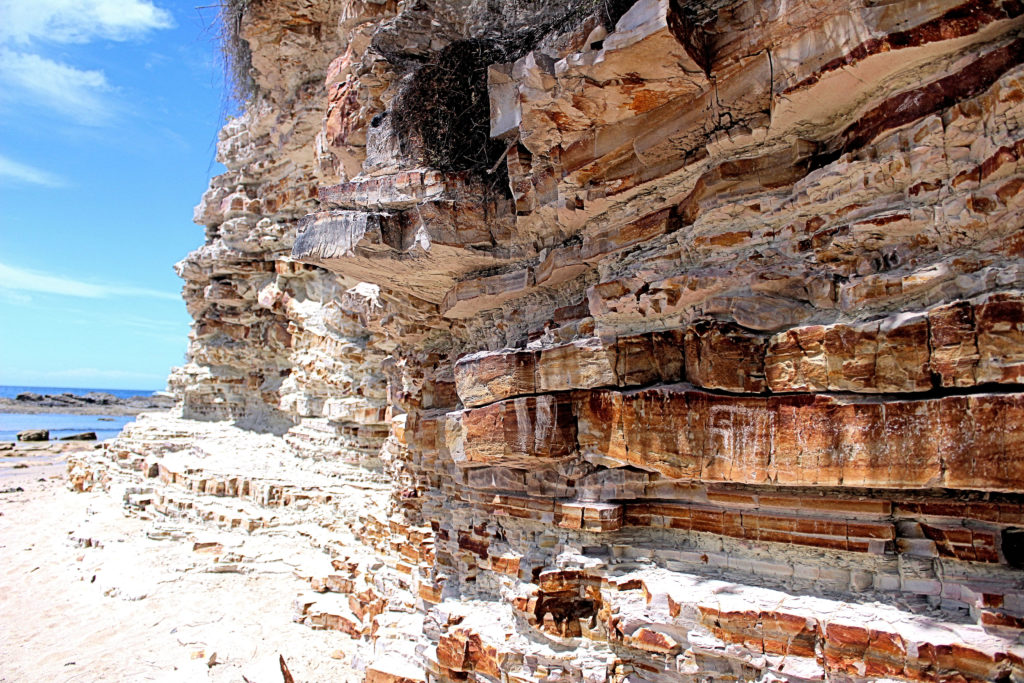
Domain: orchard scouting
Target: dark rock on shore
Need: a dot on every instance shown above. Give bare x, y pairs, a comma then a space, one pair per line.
68, 398
34, 435
83, 436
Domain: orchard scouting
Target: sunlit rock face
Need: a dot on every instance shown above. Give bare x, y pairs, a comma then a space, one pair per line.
703, 361
278, 345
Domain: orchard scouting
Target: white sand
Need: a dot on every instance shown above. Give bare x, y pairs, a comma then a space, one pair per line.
139, 609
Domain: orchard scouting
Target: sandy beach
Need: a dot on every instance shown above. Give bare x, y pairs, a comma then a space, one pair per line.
91, 594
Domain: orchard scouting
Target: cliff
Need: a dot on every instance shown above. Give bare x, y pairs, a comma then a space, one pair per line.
689, 336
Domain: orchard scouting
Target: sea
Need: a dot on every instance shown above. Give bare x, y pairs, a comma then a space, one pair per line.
60, 424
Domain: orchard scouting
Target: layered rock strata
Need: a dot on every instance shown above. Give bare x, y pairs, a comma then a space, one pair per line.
723, 382
277, 345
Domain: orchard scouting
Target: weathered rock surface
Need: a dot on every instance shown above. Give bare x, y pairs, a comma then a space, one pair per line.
34, 435
724, 382
277, 345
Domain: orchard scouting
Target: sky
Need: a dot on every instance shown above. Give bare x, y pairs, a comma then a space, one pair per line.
109, 111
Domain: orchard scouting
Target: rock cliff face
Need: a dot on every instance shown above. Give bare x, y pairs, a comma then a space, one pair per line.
278, 345
690, 335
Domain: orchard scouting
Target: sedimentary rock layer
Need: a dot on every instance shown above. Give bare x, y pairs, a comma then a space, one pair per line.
279, 345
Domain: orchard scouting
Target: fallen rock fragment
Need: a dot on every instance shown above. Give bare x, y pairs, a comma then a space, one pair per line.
82, 436
284, 671
34, 435
207, 547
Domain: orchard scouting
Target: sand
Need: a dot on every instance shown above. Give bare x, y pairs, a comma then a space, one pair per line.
90, 594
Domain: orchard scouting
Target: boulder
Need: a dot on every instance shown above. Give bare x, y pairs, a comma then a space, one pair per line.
34, 435
82, 436
100, 397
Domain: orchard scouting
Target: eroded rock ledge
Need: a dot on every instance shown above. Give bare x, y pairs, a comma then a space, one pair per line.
716, 372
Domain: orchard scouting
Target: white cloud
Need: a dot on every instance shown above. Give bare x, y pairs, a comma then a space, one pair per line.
29, 77
64, 88
79, 21
11, 169
21, 280
16, 298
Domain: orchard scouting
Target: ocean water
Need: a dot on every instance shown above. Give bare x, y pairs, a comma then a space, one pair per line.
60, 424
11, 391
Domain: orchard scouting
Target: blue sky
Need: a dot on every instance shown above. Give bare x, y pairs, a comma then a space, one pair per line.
109, 111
